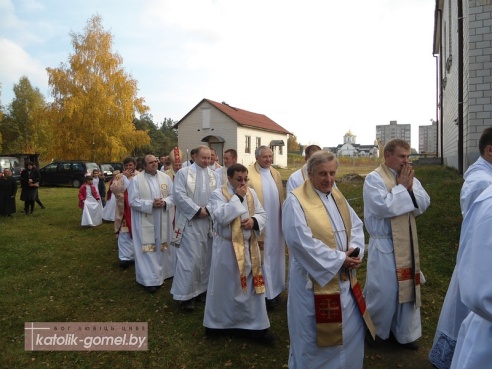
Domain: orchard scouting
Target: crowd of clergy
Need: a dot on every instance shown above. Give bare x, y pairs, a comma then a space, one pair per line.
222, 234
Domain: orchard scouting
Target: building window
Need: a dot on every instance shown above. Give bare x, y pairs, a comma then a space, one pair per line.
247, 147
281, 150
258, 142
205, 118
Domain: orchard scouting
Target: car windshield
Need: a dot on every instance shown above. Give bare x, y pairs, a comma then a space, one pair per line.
91, 167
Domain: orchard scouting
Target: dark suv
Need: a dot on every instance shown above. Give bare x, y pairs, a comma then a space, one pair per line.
68, 172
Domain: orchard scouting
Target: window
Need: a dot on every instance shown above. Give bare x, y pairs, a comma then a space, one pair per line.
281, 150
258, 142
247, 147
205, 118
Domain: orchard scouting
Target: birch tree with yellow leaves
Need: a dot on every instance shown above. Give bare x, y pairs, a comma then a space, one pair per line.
94, 101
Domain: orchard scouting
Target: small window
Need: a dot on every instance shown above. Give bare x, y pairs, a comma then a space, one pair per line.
78, 167
247, 147
205, 118
258, 142
281, 150
51, 168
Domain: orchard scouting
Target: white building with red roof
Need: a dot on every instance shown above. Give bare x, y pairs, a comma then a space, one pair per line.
222, 126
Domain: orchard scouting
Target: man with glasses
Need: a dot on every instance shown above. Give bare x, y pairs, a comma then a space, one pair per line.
152, 214
236, 290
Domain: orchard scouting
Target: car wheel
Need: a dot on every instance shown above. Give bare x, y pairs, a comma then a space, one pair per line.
76, 183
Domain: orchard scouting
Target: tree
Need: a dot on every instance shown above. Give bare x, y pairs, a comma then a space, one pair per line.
162, 140
95, 101
24, 127
292, 144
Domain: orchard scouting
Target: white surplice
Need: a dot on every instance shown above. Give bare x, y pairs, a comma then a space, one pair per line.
109, 209
296, 179
227, 306
312, 260
478, 177
152, 268
274, 244
474, 261
381, 287
193, 256
92, 212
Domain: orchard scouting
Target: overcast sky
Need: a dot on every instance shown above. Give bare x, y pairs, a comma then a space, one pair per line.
316, 67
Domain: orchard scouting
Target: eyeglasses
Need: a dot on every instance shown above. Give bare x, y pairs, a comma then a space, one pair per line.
241, 179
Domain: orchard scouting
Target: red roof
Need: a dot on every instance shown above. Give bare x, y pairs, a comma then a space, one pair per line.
244, 118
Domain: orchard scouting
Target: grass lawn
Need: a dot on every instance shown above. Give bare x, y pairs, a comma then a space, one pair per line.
53, 270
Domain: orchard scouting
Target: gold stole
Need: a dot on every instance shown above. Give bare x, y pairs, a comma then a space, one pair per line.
254, 175
405, 244
224, 175
238, 244
327, 298
147, 220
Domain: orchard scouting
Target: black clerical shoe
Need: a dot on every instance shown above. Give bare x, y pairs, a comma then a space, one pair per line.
151, 289
371, 342
271, 304
268, 338
126, 263
201, 297
188, 305
414, 346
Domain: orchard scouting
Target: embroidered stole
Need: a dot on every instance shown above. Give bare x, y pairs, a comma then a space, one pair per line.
327, 298
405, 244
254, 175
147, 220
238, 244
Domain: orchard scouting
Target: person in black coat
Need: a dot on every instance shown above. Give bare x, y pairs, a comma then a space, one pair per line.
98, 179
8, 190
29, 179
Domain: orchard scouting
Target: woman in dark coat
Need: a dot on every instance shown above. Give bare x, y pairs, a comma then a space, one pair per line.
29, 184
8, 190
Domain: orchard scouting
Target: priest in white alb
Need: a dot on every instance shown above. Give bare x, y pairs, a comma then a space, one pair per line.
236, 289
325, 307
474, 273
193, 229
152, 213
267, 183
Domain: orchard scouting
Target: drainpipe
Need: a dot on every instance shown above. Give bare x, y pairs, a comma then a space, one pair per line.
438, 121
460, 87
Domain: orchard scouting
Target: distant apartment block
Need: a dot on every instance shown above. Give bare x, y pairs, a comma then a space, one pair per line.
428, 139
387, 132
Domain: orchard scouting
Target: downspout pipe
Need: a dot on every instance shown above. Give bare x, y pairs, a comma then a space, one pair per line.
460, 87
438, 118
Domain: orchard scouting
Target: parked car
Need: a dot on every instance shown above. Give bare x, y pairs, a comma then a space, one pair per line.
117, 165
68, 172
107, 171
9, 162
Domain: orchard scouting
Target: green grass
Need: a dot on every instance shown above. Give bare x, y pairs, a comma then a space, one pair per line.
53, 270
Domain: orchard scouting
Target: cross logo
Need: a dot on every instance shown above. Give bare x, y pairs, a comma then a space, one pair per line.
31, 329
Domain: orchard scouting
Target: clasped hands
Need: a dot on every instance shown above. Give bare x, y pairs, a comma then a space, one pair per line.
159, 203
351, 263
405, 177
